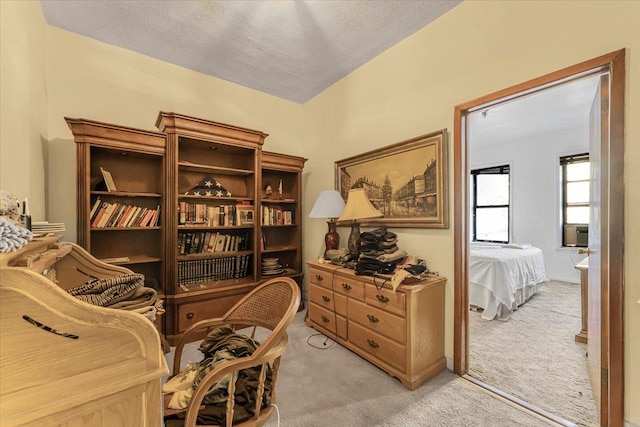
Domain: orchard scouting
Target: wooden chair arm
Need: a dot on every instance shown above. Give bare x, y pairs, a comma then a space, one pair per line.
230, 367
185, 339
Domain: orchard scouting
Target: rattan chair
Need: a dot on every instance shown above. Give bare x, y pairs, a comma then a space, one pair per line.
272, 306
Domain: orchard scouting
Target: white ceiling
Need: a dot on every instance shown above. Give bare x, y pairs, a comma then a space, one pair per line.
296, 49
551, 110
291, 49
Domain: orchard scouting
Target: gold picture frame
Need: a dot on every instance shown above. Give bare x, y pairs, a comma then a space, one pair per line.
406, 181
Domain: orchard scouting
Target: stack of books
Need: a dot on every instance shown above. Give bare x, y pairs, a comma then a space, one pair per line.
43, 228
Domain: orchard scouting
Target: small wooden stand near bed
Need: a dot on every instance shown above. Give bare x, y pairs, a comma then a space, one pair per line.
65, 362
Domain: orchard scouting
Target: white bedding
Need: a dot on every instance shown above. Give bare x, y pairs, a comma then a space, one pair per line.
503, 278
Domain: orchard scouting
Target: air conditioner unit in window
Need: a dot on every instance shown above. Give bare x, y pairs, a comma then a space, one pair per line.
576, 235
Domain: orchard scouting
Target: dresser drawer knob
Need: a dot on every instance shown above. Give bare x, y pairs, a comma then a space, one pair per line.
325, 319
190, 316
319, 278
373, 344
325, 298
372, 319
346, 286
382, 299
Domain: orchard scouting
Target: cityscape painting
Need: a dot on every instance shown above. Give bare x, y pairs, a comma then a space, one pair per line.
406, 181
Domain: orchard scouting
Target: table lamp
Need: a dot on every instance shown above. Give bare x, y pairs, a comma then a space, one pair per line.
329, 205
358, 207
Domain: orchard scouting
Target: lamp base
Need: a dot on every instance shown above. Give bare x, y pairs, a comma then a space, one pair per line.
354, 240
332, 238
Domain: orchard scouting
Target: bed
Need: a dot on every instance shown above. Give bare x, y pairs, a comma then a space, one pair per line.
503, 277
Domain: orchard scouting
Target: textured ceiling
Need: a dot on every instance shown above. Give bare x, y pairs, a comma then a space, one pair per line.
291, 49
296, 49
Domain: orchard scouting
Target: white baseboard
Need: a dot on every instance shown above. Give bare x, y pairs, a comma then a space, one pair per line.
630, 424
449, 363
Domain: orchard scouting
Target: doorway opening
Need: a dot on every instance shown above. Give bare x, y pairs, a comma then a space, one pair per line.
609, 299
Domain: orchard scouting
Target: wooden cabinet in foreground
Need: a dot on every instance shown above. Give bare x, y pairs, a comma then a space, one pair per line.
401, 332
66, 362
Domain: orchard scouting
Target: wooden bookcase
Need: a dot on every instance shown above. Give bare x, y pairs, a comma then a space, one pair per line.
203, 283
135, 159
209, 179
281, 215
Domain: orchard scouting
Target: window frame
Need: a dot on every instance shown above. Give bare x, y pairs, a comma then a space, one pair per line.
563, 162
504, 169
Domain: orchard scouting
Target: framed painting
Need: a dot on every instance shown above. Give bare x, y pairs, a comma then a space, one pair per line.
406, 181
244, 215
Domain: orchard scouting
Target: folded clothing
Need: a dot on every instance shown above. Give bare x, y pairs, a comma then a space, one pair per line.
367, 266
378, 235
220, 345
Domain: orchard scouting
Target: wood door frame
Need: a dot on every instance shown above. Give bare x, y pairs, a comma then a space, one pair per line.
612, 268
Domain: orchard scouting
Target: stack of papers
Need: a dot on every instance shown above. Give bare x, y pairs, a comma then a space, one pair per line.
44, 227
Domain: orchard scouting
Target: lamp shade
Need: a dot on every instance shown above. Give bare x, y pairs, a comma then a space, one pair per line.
329, 204
359, 207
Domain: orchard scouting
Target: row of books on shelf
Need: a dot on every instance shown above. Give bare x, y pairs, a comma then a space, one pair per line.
107, 214
199, 242
214, 216
204, 270
276, 216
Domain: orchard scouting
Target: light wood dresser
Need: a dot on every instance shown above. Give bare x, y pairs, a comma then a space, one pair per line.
67, 363
401, 332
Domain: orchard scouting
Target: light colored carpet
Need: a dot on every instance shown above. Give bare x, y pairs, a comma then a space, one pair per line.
334, 387
534, 356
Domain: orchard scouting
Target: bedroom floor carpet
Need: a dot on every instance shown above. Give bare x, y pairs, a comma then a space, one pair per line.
534, 356
331, 386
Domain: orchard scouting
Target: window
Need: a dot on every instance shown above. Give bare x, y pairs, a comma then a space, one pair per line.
490, 204
575, 199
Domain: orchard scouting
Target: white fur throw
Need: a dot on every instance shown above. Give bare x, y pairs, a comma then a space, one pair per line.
12, 236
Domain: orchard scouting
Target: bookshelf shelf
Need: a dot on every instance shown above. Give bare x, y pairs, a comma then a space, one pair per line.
98, 229
271, 250
124, 194
213, 169
202, 289
283, 202
219, 227
211, 255
140, 259
213, 198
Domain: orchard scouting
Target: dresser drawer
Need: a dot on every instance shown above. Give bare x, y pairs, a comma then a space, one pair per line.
320, 277
322, 317
387, 324
375, 344
321, 296
340, 304
349, 287
386, 299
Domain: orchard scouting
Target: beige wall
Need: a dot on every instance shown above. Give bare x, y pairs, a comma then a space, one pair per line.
475, 49
23, 104
93, 80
